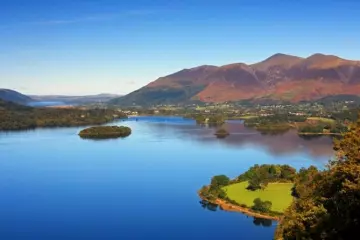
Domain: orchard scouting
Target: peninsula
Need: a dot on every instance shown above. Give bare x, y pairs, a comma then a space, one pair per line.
264, 191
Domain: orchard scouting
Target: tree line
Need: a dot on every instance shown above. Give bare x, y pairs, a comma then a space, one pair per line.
259, 176
18, 117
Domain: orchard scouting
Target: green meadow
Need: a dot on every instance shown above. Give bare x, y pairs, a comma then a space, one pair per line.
320, 119
277, 193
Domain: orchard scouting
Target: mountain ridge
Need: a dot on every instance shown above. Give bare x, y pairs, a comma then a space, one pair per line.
14, 96
279, 77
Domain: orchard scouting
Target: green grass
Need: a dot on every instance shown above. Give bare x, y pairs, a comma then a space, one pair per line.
320, 119
247, 117
278, 193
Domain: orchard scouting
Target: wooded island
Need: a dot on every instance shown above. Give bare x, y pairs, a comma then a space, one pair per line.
104, 132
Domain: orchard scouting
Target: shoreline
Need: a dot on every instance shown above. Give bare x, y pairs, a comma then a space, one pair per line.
235, 208
331, 134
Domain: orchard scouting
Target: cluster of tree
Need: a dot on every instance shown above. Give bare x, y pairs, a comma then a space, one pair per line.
215, 189
274, 123
318, 128
102, 132
17, 117
328, 202
323, 128
261, 206
346, 115
306, 177
259, 176
274, 119
276, 128
214, 120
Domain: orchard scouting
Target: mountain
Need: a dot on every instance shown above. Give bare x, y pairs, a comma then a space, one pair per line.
104, 97
280, 77
13, 96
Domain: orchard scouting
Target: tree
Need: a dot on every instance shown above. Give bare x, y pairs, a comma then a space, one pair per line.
303, 182
288, 172
254, 184
261, 206
330, 209
219, 181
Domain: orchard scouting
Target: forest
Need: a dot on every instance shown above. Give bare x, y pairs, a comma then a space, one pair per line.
327, 203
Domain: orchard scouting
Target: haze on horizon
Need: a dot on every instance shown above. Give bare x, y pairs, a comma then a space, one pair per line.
78, 47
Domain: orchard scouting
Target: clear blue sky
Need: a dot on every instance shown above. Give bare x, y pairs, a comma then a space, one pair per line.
116, 46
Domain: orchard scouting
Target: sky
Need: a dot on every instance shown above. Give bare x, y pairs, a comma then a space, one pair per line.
78, 47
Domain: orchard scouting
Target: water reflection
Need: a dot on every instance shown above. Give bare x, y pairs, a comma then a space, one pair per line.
256, 221
208, 205
262, 222
283, 143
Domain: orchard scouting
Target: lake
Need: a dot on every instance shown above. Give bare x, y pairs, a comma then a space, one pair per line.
55, 185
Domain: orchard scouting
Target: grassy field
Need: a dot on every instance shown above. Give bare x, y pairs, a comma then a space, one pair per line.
278, 193
247, 117
320, 119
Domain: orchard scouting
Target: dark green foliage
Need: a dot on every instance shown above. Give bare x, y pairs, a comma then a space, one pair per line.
103, 132
274, 119
319, 128
17, 117
216, 120
221, 194
259, 176
213, 120
219, 181
287, 172
200, 119
261, 206
346, 115
328, 204
255, 183
272, 124
215, 189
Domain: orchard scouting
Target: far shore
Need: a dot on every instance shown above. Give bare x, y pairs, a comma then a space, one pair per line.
308, 133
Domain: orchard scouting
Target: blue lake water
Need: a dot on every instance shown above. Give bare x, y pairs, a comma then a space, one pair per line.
54, 185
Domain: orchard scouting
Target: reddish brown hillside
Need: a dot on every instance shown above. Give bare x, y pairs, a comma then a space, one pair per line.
279, 77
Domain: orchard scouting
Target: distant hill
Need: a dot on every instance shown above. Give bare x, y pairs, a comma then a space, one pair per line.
280, 77
104, 97
13, 96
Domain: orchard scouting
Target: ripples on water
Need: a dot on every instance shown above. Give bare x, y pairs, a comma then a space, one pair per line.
55, 185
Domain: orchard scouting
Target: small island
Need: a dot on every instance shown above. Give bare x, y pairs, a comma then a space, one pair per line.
104, 132
222, 133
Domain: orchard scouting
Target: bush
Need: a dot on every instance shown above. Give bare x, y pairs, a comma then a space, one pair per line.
261, 206
219, 181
